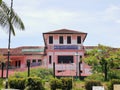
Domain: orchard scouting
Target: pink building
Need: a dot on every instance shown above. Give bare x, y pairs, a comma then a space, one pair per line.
20, 55
65, 48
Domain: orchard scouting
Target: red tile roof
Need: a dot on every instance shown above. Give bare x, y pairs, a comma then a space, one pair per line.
19, 50
64, 31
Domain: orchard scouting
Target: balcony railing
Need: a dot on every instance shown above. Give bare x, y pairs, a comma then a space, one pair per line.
71, 66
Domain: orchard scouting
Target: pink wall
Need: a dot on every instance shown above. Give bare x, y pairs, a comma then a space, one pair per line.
51, 51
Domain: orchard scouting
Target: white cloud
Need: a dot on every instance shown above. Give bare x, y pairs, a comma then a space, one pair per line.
112, 13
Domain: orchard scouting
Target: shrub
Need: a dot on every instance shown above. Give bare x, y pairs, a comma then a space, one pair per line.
34, 83
112, 82
1, 83
66, 83
97, 77
43, 73
17, 83
63, 83
55, 84
90, 84
19, 74
114, 74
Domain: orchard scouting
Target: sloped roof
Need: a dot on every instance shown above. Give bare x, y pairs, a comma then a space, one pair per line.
64, 31
23, 50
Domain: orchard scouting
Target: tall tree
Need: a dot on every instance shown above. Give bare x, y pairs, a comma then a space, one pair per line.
103, 59
9, 19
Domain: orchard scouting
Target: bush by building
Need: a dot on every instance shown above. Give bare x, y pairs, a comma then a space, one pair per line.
112, 83
17, 83
63, 83
90, 84
34, 83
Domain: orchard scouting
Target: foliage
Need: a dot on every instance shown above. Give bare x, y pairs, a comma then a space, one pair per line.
55, 84
66, 83
63, 83
103, 59
17, 83
114, 74
43, 73
34, 83
0, 1
9, 19
31, 83
1, 83
2, 58
90, 84
112, 83
19, 75
95, 76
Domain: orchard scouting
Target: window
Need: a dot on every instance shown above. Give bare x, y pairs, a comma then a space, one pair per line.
65, 59
50, 39
50, 59
40, 61
61, 39
34, 61
68, 39
78, 39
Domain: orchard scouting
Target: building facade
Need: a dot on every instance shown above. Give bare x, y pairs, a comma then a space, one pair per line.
20, 55
65, 48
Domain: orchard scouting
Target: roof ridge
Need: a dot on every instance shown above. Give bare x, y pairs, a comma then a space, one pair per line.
69, 31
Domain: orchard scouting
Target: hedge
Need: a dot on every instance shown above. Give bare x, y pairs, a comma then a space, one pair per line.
34, 83
90, 84
17, 83
63, 83
112, 82
30, 83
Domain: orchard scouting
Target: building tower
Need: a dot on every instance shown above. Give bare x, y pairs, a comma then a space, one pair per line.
65, 48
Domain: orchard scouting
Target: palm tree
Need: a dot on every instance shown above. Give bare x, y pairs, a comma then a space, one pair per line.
9, 19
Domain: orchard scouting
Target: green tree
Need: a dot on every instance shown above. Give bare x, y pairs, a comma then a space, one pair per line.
9, 19
103, 59
0, 1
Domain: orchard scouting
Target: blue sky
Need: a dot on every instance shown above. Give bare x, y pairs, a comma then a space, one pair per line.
99, 18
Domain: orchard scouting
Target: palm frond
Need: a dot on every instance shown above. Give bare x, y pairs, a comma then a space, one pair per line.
16, 21
8, 18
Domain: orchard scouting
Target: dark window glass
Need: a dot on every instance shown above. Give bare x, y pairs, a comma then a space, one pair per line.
50, 59
79, 39
65, 59
68, 39
61, 39
50, 39
39, 60
34, 60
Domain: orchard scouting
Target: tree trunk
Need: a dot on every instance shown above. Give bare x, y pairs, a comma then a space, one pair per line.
2, 67
105, 71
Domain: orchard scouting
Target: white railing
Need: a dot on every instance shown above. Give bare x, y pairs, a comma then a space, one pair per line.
64, 66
